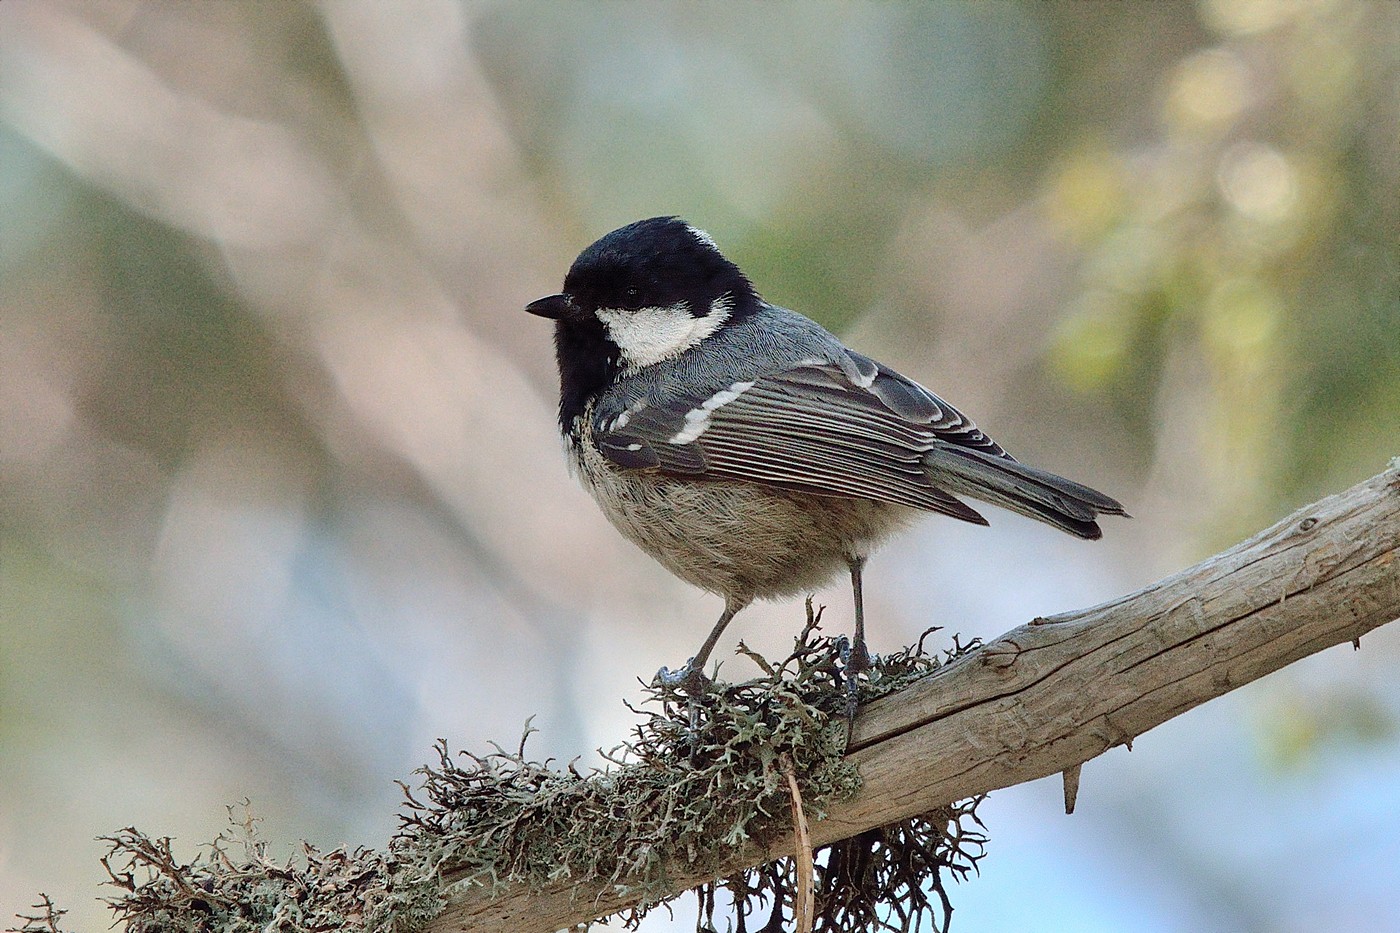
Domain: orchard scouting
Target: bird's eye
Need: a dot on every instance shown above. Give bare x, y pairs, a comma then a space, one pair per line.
633, 295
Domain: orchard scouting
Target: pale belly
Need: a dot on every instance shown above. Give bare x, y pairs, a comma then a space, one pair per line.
733, 538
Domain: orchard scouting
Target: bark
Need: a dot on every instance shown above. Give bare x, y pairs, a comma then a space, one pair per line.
1057, 692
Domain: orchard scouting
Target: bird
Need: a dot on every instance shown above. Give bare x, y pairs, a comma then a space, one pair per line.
745, 447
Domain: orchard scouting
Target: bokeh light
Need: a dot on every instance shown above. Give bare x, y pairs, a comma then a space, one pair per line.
281, 495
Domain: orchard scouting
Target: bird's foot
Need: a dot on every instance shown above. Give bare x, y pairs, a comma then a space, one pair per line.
859, 660
689, 678
855, 660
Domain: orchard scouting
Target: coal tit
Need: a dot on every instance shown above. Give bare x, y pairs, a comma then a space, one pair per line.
745, 447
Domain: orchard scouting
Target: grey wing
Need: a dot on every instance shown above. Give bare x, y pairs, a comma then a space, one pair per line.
851, 428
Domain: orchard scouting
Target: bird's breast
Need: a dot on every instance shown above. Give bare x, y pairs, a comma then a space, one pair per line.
730, 537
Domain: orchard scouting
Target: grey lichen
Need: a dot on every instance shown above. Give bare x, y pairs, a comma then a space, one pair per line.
699, 777
233, 886
44, 920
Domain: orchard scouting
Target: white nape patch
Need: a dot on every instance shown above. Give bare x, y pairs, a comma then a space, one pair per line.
703, 237
697, 420
647, 336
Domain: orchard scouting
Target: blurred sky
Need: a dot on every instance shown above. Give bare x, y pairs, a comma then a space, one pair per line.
281, 497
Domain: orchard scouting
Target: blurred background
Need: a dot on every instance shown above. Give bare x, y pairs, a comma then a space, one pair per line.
281, 497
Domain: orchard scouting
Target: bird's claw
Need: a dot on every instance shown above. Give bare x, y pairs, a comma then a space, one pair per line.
860, 660
855, 660
689, 678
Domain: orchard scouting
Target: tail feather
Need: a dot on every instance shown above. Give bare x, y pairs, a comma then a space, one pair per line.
1069, 506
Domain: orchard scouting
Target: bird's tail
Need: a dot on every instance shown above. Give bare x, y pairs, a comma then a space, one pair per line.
1052, 499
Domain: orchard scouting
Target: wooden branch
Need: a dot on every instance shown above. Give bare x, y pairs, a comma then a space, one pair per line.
1055, 693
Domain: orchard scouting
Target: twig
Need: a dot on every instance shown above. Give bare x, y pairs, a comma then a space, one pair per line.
1071, 777
804, 898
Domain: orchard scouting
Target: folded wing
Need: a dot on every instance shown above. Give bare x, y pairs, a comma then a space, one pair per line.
810, 428
854, 429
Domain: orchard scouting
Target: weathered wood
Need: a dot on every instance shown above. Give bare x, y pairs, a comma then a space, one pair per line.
1053, 694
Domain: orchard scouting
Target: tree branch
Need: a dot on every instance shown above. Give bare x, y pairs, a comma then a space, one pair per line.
1055, 693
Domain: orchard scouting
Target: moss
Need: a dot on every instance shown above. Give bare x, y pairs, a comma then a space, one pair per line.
698, 777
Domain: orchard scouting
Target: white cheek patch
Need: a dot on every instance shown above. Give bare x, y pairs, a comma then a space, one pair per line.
697, 420
649, 335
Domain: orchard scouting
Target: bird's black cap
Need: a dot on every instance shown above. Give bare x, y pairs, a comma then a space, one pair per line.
660, 262
657, 262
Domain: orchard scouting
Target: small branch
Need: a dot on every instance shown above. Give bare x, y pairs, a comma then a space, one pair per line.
1071, 777
804, 900
1048, 696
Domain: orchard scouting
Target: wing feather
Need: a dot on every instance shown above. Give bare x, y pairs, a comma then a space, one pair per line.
861, 431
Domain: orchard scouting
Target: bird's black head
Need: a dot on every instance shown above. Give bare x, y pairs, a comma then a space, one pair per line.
663, 262
645, 293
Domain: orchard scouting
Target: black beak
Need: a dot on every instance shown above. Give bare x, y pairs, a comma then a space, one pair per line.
551, 306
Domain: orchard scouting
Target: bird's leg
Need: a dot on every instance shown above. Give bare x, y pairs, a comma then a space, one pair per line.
692, 677
858, 658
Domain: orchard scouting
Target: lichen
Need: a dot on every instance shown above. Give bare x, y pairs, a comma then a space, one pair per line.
45, 921
698, 778
232, 886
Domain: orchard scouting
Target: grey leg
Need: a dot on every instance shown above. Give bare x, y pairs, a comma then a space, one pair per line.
731, 609
860, 658
692, 676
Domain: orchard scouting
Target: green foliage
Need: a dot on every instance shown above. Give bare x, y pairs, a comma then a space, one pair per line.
1297, 732
1240, 263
